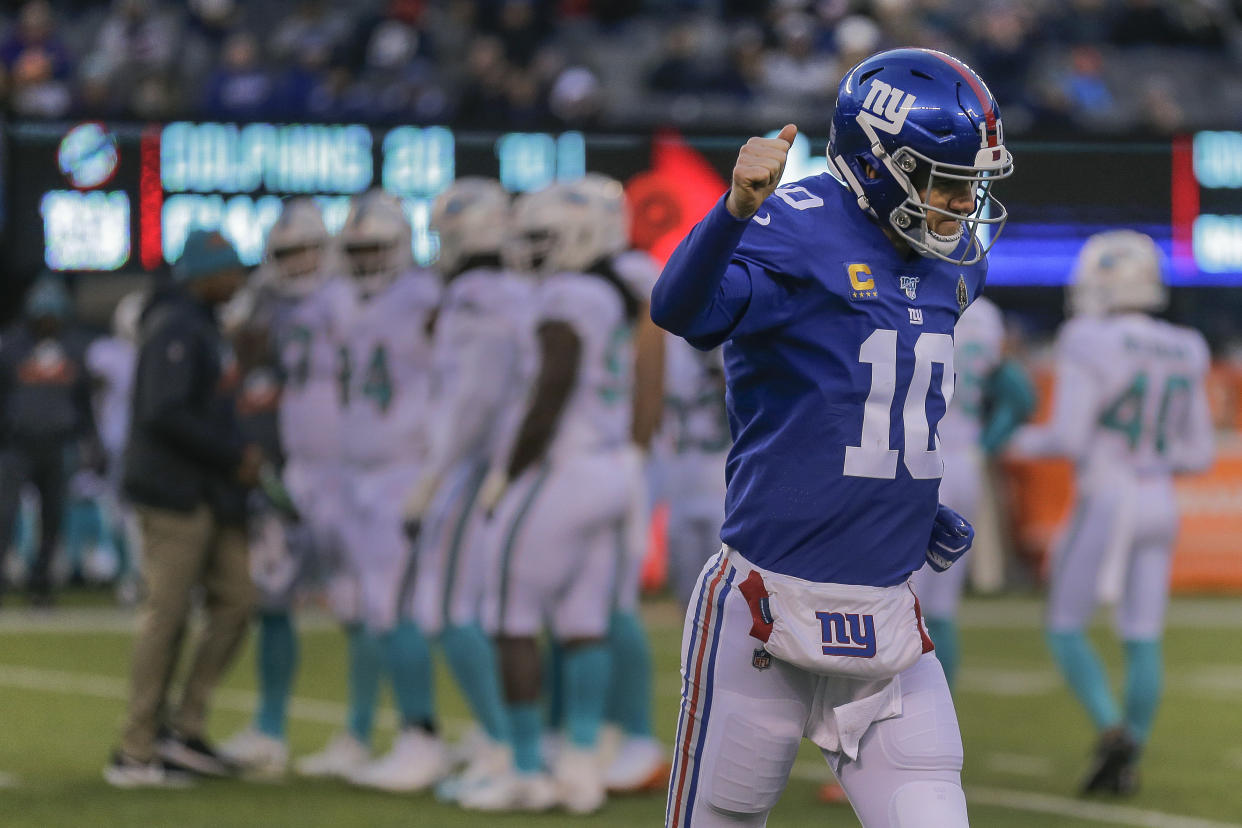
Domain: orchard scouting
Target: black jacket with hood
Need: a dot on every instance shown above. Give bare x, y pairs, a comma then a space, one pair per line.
184, 445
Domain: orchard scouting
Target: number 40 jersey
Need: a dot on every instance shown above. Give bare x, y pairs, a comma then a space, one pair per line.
839, 365
1130, 399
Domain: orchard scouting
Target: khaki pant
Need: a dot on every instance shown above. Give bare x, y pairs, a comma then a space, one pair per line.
182, 550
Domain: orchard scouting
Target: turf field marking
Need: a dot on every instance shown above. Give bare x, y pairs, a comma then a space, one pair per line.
1093, 811
332, 713
117, 689
1014, 612
999, 681
1037, 803
1019, 764
8, 780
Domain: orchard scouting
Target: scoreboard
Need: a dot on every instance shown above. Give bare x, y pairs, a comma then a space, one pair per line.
122, 197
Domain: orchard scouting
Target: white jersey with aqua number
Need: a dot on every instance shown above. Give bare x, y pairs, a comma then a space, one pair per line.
385, 373
482, 363
977, 340
599, 412
307, 339
1130, 398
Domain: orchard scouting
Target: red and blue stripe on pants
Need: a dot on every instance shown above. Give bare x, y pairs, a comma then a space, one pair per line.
696, 694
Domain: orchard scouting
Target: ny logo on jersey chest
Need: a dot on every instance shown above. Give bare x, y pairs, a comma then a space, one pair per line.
847, 634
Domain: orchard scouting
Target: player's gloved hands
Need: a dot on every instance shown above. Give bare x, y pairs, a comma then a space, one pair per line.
416, 506
493, 489
951, 537
757, 172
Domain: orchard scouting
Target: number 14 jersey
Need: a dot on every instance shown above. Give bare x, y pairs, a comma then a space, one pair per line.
838, 372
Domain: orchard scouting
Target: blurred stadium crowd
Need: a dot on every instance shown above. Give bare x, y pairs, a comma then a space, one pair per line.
1156, 66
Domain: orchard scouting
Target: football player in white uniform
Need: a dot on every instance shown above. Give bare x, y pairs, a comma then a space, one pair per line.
294, 302
385, 377
639, 761
564, 495
111, 361
696, 441
480, 356
992, 397
1131, 411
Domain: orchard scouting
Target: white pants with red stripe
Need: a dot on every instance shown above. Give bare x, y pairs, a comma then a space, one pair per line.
744, 716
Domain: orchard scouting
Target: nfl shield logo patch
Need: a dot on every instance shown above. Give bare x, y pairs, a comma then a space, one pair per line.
963, 295
910, 285
761, 660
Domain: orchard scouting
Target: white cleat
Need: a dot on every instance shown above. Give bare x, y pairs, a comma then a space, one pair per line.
524, 792
343, 755
579, 780
472, 741
258, 755
640, 764
417, 761
491, 760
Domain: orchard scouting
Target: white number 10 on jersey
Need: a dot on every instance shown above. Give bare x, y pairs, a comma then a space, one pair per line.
873, 457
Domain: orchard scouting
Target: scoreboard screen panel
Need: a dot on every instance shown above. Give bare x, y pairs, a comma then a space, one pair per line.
122, 197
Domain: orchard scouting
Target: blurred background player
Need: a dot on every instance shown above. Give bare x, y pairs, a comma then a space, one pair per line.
298, 310
385, 375
1131, 411
563, 497
637, 761
696, 442
481, 366
111, 360
45, 412
991, 398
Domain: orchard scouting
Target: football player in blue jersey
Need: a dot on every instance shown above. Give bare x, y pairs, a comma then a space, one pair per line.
835, 298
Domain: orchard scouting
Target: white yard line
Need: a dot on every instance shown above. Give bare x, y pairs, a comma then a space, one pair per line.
990, 613
333, 713
117, 689
1019, 764
1038, 803
1091, 811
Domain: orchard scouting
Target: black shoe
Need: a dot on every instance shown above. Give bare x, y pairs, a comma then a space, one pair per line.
1116, 755
1128, 778
122, 771
39, 591
193, 755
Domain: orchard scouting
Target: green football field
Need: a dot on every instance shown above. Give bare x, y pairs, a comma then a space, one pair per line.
62, 686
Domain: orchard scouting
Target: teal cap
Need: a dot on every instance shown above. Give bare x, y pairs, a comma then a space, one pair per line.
206, 253
48, 297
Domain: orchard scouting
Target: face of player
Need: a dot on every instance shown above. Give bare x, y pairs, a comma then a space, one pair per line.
368, 259
950, 195
298, 262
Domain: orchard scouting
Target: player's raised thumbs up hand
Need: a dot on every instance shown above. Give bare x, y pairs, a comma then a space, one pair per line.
758, 171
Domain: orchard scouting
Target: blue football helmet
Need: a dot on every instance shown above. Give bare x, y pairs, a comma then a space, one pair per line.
921, 119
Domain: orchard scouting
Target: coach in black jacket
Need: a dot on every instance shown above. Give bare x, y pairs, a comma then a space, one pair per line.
45, 408
187, 469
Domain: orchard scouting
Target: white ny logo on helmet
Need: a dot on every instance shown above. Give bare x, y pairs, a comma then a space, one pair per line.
886, 107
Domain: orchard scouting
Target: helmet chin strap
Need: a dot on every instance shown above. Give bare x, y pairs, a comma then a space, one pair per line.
944, 245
